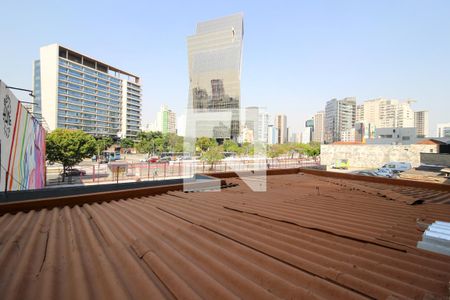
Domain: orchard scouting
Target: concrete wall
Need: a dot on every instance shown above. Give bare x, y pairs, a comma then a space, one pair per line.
374, 156
439, 159
22, 146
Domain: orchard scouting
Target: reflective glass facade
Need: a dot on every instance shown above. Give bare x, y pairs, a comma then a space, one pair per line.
215, 54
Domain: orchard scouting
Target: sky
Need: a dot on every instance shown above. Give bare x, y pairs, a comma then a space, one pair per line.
296, 55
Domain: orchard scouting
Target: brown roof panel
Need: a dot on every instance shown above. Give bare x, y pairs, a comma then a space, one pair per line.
303, 238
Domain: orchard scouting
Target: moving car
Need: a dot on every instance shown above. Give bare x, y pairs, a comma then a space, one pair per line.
397, 167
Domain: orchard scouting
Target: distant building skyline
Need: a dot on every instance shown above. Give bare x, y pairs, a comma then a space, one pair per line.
293, 72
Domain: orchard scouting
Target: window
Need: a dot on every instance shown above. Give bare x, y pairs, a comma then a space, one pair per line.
88, 90
104, 82
89, 77
75, 73
90, 84
90, 71
75, 94
74, 86
76, 80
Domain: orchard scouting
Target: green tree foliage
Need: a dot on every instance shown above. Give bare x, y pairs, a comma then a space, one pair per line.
155, 142
69, 147
204, 143
212, 155
126, 143
274, 151
103, 144
311, 150
231, 146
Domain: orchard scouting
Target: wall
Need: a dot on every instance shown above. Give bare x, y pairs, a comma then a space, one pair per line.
439, 159
49, 57
373, 156
22, 142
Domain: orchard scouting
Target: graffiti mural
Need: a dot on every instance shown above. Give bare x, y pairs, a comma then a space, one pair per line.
22, 146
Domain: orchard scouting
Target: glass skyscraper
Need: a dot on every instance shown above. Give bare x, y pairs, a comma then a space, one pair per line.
215, 54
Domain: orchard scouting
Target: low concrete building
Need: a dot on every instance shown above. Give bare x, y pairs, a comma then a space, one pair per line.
374, 156
394, 136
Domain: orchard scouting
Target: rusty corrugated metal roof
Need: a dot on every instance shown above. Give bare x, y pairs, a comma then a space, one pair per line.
303, 238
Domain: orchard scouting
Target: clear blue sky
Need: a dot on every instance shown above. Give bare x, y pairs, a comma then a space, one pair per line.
297, 54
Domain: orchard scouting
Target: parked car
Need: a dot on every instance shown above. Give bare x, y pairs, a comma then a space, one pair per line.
365, 173
385, 172
341, 164
397, 167
74, 172
164, 160
153, 159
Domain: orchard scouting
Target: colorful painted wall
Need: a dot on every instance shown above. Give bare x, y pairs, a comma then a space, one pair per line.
22, 145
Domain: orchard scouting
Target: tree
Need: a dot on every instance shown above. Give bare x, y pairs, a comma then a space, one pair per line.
150, 142
102, 144
274, 151
231, 146
126, 143
313, 150
204, 143
212, 155
69, 147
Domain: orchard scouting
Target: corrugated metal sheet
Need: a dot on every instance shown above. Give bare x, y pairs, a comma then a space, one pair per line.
436, 238
398, 192
303, 238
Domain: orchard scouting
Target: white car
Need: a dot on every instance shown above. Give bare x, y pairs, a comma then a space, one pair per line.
384, 172
397, 167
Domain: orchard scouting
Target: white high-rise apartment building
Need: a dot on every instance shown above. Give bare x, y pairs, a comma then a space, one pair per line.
257, 119
421, 123
166, 120
75, 91
319, 124
272, 134
339, 116
281, 124
384, 113
404, 116
443, 130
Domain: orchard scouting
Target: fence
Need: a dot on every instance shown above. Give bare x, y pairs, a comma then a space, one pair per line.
142, 171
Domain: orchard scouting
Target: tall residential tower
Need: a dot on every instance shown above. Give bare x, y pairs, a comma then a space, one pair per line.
75, 91
339, 117
281, 124
421, 123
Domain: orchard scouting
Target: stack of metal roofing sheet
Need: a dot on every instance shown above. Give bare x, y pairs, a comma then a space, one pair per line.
436, 238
